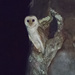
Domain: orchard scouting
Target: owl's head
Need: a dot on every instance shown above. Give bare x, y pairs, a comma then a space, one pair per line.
31, 21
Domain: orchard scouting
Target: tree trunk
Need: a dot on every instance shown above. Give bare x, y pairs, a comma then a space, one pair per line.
59, 28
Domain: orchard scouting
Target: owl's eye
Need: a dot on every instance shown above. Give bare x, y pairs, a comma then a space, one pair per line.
27, 20
33, 20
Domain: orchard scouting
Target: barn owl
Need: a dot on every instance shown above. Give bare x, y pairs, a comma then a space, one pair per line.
35, 32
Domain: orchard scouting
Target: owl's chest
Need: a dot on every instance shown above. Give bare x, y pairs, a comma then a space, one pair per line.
34, 35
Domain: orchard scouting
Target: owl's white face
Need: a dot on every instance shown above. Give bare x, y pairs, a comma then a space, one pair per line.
31, 21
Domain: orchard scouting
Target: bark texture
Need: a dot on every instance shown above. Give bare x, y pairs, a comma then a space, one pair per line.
57, 18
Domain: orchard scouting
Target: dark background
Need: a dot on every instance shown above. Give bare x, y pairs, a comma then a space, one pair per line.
14, 42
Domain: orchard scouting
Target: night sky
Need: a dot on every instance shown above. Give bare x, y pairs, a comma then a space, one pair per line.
14, 42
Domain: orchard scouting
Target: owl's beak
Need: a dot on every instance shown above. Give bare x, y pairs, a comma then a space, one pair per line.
30, 22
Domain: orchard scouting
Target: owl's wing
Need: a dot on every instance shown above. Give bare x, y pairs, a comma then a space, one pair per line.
42, 35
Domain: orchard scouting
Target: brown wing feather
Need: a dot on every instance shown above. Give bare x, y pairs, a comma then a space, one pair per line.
42, 35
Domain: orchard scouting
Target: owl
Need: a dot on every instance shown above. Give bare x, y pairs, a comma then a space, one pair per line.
35, 33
